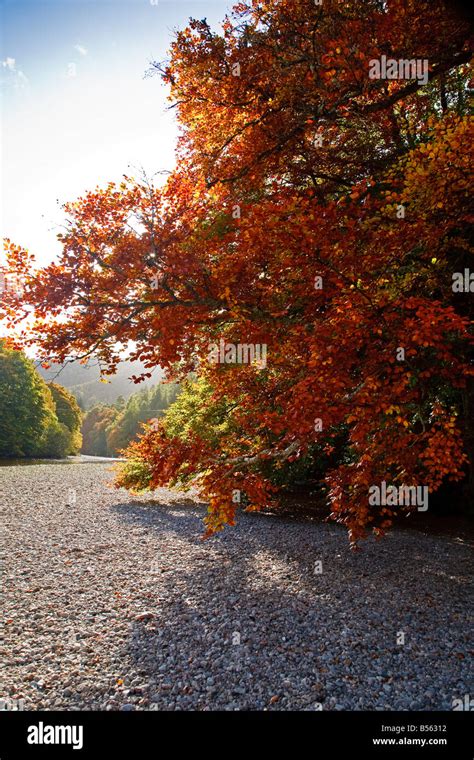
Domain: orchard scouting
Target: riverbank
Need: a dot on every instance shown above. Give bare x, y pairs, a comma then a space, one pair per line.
79, 459
116, 603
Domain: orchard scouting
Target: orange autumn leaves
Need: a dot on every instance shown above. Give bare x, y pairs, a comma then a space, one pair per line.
258, 209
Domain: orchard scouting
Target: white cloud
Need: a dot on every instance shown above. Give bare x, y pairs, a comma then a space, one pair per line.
9, 63
80, 49
16, 77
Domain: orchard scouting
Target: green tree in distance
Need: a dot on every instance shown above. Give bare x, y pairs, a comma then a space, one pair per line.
69, 414
28, 423
107, 429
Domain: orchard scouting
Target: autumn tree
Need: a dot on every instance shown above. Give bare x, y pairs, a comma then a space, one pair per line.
318, 213
96, 427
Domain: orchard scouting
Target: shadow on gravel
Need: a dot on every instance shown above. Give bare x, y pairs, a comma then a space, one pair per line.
246, 616
306, 541
156, 515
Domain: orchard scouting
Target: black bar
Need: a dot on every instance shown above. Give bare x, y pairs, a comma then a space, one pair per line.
124, 735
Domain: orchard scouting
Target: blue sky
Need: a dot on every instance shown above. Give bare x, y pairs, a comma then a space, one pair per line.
76, 108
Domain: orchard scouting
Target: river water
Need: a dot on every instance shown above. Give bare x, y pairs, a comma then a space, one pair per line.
82, 458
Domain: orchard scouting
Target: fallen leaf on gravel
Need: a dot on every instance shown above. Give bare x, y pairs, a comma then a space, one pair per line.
145, 616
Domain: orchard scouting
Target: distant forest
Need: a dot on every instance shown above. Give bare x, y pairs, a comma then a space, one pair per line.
108, 428
84, 382
115, 407
57, 412
37, 419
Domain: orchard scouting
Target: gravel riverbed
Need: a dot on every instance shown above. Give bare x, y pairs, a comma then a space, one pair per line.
116, 603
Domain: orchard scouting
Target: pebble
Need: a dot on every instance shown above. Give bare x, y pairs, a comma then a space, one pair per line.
133, 609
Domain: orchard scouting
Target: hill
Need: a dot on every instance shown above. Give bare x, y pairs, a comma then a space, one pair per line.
83, 380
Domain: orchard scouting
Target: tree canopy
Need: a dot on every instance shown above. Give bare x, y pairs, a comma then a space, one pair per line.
37, 420
316, 211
